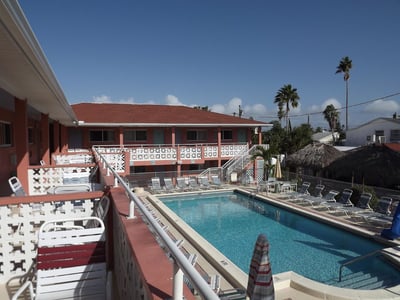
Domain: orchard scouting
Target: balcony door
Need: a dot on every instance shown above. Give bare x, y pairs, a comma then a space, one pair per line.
158, 136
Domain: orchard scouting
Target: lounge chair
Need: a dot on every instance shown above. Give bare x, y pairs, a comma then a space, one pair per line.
362, 205
155, 186
169, 186
316, 194
343, 202
193, 184
215, 181
381, 213
71, 188
181, 184
204, 183
301, 192
316, 202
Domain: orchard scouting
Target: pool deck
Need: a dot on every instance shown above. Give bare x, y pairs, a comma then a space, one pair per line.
288, 285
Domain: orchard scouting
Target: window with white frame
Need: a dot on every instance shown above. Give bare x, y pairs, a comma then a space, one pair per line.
5, 134
135, 136
101, 135
196, 135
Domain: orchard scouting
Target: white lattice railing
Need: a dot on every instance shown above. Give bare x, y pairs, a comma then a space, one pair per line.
167, 153
43, 178
19, 224
73, 158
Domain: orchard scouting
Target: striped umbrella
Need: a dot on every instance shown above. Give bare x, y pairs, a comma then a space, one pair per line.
260, 285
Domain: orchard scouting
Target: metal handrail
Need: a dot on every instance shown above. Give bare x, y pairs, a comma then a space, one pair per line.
358, 258
179, 258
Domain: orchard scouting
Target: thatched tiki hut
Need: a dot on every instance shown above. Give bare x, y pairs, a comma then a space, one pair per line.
375, 165
313, 159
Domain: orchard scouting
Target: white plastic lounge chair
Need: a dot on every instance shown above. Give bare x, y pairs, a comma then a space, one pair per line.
343, 202
193, 184
316, 202
215, 181
381, 213
316, 194
169, 186
16, 186
71, 188
155, 185
204, 183
362, 205
181, 184
71, 261
302, 191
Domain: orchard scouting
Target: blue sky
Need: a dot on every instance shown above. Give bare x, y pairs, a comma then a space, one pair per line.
225, 53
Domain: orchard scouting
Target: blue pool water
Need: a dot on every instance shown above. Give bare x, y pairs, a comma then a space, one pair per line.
232, 222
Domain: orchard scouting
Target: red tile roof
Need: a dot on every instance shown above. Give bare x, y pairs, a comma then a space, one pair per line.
393, 146
112, 113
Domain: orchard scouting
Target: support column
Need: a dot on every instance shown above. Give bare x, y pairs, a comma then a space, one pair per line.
219, 146
64, 138
21, 141
173, 136
56, 136
44, 138
178, 283
259, 136
121, 137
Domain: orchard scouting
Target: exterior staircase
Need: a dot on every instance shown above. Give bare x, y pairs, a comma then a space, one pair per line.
239, 163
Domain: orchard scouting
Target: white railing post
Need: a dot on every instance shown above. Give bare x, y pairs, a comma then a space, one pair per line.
178, 283
131, 209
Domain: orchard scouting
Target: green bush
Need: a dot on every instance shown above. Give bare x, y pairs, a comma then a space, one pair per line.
358, 189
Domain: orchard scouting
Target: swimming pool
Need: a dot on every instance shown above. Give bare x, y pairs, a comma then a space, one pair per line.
232, 221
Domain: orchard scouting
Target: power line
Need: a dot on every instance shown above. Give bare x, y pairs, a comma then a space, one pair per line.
342, 108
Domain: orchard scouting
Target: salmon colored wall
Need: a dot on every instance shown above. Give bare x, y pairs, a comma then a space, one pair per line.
212, 134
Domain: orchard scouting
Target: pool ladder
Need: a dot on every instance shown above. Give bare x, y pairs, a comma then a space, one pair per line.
358, 258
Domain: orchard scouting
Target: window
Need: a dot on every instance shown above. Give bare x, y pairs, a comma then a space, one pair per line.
101, 135
395, 135
135, 136
379, 133
226, 134
5, 134
196, 135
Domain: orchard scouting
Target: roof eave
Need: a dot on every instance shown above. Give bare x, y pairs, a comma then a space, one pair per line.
86, 124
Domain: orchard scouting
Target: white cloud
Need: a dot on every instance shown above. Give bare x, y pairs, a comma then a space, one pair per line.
382, 106
107, 99
172, 100
218, 108
330, 101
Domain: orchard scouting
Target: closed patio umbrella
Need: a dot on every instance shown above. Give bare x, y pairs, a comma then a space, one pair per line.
260, 285
278, 169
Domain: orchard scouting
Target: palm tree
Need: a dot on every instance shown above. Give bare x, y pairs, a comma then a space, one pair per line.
265, 154
344, 67
331, 115
287, 96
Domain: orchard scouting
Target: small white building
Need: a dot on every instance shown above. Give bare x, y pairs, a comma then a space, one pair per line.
380, 130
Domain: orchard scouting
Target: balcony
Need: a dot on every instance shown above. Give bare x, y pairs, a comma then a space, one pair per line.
141, 155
